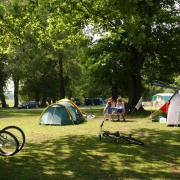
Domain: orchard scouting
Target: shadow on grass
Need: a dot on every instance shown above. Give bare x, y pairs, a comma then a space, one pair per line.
140, 114
85, 157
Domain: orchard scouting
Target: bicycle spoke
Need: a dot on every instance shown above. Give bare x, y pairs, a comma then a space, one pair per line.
8, 143
18, 133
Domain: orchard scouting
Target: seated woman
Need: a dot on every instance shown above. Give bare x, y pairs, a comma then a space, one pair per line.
120, 109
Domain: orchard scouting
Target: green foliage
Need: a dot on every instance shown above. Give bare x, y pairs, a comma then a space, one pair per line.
177, 81
141, 37
138, 44
34, 34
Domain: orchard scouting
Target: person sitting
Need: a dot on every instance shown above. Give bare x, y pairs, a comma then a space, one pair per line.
120, 109
108, 110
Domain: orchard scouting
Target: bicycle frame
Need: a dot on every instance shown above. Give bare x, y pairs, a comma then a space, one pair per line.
107, 134
117, 136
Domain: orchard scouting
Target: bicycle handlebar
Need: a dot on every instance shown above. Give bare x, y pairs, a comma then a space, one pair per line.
102, 124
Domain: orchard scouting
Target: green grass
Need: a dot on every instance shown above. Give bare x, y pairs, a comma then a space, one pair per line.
74, 152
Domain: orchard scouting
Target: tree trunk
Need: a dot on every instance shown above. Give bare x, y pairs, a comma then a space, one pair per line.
61, 78
2, 84
114, 91
43, 102
114, 80
2, 97
134, 90
135, 80
36, 96
16, 91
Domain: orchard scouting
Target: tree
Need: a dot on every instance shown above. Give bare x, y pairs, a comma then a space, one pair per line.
3, 78
59, 35
35, 31
136, 26
135, 41
14, 23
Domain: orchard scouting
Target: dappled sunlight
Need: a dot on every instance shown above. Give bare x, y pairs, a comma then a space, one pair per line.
86, 157
75, 152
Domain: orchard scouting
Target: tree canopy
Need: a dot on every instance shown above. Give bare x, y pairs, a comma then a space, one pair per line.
86, 48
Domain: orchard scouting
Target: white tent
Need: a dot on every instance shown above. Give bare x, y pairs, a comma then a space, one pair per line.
173, 115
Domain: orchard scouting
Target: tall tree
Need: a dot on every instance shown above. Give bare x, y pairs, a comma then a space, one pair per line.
135, 25
3, 78
14, 21
63, 34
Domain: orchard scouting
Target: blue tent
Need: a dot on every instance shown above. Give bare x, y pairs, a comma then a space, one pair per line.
63, 112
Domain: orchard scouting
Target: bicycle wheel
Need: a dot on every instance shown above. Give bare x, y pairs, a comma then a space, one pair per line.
102, 136
18, 133
8, 143
134, 141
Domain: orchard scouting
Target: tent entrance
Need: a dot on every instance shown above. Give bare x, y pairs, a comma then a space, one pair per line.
56, 114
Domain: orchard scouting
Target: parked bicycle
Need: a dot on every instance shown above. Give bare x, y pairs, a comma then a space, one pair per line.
12, 140
117, 136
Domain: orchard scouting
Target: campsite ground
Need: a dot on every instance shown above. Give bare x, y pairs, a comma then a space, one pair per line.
74, 152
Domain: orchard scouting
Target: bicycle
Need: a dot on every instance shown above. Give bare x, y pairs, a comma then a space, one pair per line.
19, 136
117, 136
8, 143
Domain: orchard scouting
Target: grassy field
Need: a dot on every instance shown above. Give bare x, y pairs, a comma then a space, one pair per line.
74, 152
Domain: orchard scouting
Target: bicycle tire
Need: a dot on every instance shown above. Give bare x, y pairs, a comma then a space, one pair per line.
21, 137
7, 139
